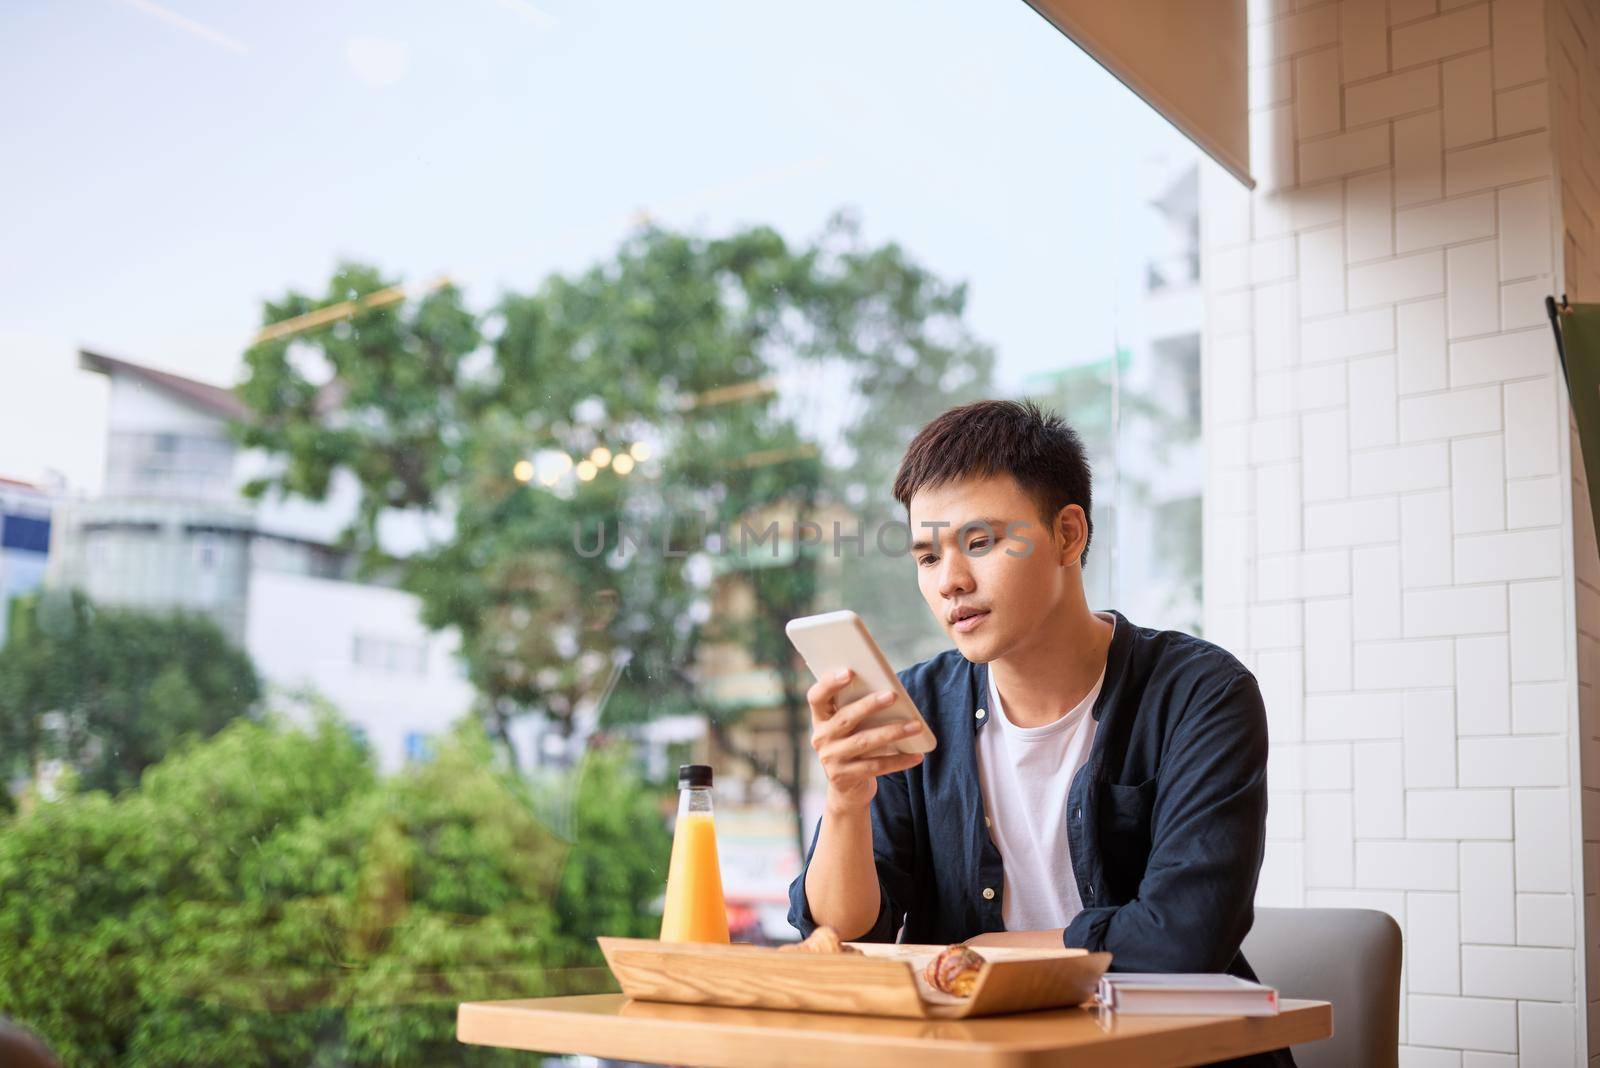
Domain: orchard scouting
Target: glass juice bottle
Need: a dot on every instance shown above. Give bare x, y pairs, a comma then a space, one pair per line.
694, 910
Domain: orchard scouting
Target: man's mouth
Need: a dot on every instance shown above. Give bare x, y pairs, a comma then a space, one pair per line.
970, 621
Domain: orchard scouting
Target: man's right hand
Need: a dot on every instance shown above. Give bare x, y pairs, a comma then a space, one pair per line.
842, 748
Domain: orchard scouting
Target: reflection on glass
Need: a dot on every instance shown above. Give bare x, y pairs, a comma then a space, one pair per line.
356, 617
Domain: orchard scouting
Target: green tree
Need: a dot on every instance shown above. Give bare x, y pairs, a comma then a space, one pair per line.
111, 691
264, 898
674, 343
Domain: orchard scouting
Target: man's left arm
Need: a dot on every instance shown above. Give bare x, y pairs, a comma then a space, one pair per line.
1208, 833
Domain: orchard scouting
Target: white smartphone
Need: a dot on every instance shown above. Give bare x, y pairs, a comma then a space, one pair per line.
833, 641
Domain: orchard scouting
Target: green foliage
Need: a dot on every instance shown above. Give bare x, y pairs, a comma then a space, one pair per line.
263, 898
673, 341
112, 691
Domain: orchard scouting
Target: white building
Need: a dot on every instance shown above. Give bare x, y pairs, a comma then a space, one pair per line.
171, 531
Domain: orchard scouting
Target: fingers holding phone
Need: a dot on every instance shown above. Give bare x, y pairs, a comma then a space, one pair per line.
853, 757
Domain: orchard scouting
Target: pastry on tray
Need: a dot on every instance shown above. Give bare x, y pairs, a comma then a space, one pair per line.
822, 940
954, 971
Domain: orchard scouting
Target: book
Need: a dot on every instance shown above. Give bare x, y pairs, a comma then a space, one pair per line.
1180, 994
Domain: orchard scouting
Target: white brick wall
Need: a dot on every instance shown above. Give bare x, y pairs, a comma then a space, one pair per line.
1575, 81
1389, 543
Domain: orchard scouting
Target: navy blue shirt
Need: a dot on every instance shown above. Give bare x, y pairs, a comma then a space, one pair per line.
1167, 819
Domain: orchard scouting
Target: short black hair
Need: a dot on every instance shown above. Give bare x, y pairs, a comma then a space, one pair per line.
991, 437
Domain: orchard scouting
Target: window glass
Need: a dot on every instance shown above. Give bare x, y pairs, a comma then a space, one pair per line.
482, 391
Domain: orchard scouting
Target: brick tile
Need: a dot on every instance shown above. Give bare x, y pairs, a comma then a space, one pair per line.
1468, 100
1525, 228
1430, 738
1478, 484
1375, 600
1406, 865
1399, 469
1328, 656
1543, 828
1522, 303
1517, 972
1519, 554
1474, 1023
1545, 1033
1276, 324
1473, 289
1410, 10
1322, 271
1488, 906
1532, 412
1514, 354
1373, 404
1345, 523
1526, 761
1522, 109
1347, 153
1316, 79
1519, 42
1369, 229
1545, 920
1277, 517
1422, 362
1436, 38
1387, 98
1346, 717
1458, 814
1363, 38
1538, 652
1379, 794
1325, 452
1445, 223
1515, 159
1483, 685
1330, 840
1426, 547
1539, 707
1455, 610
1272, 260
1433, 944
1281, 676
1418, 274
1451, 414
1326, 766
1403, 664
1344, 336
1418, 158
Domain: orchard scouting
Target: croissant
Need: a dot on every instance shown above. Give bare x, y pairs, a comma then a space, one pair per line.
954, 971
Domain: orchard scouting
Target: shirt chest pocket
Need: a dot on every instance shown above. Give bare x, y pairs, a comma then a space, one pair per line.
1125, 836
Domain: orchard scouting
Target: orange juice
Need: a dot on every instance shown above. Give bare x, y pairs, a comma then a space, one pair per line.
694, 910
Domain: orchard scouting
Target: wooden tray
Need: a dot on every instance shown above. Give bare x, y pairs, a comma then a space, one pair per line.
886, 980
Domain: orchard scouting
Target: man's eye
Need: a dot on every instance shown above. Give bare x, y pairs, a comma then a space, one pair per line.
977, 543
923, 560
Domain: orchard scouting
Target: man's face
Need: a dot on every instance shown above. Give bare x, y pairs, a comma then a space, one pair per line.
1012, 572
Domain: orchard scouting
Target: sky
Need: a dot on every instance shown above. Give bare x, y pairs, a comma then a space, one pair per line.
171, 165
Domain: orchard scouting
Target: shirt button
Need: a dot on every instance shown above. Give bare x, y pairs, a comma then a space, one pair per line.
986, 822
988, 893
1077, 813
980, 714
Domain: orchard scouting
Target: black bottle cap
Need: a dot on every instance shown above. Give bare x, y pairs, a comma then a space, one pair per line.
694, 775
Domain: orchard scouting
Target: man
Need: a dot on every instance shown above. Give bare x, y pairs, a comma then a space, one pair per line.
1096, 784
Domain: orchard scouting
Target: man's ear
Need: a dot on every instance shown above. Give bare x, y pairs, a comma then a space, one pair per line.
1072, 532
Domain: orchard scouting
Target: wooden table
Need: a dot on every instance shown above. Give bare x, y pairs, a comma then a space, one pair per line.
610, 1025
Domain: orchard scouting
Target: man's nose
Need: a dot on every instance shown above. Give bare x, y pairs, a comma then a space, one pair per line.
954, 575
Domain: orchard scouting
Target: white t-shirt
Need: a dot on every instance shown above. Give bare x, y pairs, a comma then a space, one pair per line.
1025, 775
